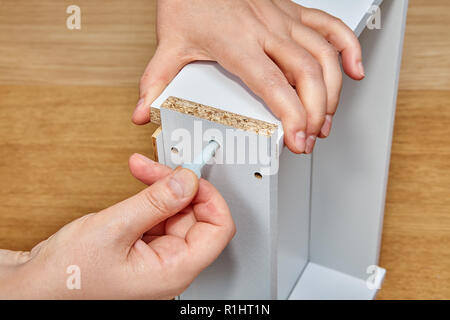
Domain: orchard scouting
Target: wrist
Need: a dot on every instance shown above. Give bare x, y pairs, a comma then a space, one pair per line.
10, 263
8, 281
29, 281
22, 282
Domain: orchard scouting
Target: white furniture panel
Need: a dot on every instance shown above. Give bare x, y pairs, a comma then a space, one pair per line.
311, 230
350, 168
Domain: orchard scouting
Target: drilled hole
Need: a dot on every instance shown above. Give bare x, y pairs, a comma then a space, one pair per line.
175, 150
258, 175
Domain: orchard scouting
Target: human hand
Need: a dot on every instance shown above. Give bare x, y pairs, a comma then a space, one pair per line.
150, 246
287, 54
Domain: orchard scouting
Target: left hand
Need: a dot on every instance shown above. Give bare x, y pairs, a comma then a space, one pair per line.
150, 246
285, 53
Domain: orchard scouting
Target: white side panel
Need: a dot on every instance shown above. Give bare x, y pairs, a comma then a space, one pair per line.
247, 268
321, 283
350, 168
294, 182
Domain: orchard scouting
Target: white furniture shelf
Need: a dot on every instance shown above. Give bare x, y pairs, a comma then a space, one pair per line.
311, 230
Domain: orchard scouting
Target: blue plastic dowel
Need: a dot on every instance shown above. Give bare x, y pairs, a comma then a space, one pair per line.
201, 159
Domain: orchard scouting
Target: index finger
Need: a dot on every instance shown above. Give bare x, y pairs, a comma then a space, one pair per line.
214, 228
260, 73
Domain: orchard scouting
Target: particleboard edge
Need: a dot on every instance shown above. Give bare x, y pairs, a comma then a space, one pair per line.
209, 113
155, 116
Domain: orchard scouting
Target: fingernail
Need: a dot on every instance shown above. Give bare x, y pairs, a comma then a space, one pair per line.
310, 142
182, 183
144, 158
326, 128
300, 141
361, 69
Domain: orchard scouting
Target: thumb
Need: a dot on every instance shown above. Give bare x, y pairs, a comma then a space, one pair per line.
164, 66
165, 198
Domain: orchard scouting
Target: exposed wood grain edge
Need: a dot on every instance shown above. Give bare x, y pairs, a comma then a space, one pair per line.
220, 116
155, 135
155, 116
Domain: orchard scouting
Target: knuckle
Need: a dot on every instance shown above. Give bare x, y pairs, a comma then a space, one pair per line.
273, 79
293, 116
333, 105
112, 228
333, 111
311, 69
297, 11
328, 51
148, 80
156, 202
224, 232
316, 121
145, 77
269, 84
336, 22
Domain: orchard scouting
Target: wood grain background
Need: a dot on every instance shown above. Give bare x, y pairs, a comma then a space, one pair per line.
66, 98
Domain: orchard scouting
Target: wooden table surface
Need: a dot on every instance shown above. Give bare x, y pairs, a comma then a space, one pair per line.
66, 99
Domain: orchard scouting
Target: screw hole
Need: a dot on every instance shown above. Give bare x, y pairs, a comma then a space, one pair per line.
258, 175
175, 150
